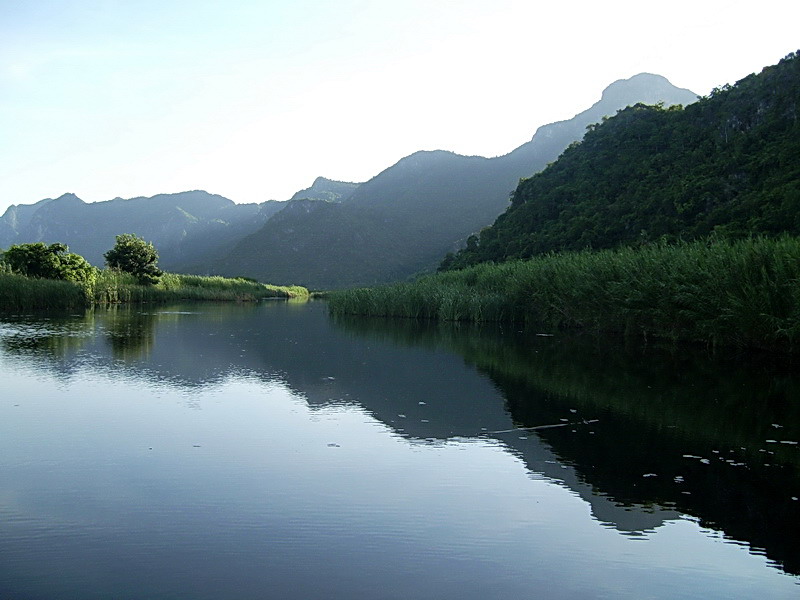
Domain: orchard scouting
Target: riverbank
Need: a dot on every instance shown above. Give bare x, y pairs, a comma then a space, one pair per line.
20, 293
742, 294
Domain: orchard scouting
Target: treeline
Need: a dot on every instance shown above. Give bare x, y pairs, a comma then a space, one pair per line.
726, 166
41, 276
741, 293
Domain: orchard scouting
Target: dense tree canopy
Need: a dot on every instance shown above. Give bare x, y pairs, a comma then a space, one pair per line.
133, 255
48, 262
726, 166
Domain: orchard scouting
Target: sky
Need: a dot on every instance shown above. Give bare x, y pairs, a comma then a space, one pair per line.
255, 99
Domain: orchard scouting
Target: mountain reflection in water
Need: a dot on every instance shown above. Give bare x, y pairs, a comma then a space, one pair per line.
643, 436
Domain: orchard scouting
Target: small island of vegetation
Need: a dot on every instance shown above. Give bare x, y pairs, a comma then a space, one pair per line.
38, 276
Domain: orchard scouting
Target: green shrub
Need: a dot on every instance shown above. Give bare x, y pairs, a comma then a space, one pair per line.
48, 262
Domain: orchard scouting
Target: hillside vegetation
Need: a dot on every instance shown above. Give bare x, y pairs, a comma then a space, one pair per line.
695, 209
725, 166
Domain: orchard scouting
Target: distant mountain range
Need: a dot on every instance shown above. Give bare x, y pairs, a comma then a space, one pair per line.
186, 228
333, 234
405, 219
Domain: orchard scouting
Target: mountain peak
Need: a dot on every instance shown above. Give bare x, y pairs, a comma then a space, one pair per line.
651, 88
69, 198
326, 189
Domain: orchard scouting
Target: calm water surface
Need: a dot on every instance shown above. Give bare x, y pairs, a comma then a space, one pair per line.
236, 452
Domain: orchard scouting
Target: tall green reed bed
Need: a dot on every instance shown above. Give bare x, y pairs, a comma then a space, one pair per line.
19, 293
113, 286
745, 293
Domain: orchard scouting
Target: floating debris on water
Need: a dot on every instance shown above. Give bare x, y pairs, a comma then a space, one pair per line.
332, 445
705, 461
583, 422
649, 475
678, 479
421, 403
789, 442
776, 426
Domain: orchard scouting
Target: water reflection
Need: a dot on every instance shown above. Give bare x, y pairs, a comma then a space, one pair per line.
643, 437
675, 432
130, 333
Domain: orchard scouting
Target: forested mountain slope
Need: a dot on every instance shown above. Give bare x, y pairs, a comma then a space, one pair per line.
406, 218
728, 165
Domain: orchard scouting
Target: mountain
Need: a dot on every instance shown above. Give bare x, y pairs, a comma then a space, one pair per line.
725, 166
179, 225
407, 217
189, 229
327, 190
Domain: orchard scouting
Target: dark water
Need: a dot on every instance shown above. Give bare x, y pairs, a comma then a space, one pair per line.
229, 452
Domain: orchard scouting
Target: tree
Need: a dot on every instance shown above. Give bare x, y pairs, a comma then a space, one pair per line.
133, 255
49, 262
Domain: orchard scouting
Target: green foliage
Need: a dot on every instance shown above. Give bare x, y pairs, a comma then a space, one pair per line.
20, 293
742, 294
725, 166
115, 287
131, 254
48, 262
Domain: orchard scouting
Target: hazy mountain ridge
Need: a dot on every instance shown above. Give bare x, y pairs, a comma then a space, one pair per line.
403, 220
89, 229
188, 228
327, 190
332, 234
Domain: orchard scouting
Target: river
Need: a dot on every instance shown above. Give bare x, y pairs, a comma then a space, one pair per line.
268, 451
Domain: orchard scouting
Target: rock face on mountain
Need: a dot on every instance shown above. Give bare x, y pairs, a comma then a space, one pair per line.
406, 218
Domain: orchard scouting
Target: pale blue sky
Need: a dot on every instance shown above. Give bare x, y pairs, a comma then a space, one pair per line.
253, 100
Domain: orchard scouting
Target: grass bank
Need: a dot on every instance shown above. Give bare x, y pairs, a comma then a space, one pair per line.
745, 293
20, 293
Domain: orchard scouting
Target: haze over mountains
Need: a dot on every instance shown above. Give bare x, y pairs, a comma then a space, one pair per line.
333, 234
